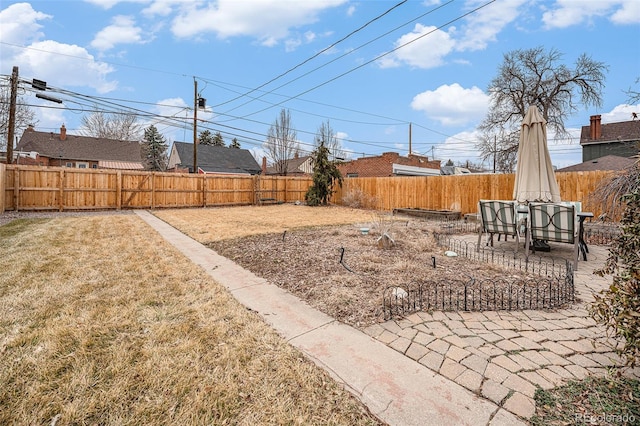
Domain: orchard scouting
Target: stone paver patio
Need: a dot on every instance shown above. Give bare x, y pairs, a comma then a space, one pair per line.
505, 356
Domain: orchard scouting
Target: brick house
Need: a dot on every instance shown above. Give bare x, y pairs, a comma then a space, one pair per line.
390, 164
83, 152
599, 140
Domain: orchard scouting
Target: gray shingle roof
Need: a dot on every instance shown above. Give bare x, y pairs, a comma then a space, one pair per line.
613, 132
293, 166
84, 148
608, 162
218, 159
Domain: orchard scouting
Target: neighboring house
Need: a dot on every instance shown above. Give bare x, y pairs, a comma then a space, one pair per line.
608, 162
296, 166
212, 159
390, 164
599, 140
83, 152
454, 170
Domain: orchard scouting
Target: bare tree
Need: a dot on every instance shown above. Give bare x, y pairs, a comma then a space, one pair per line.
500, 149
633, 93
326, 135
281, 144
121, 125
537, 77
25, 115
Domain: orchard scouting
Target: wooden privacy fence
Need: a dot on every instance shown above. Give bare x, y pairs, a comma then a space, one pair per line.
59, 188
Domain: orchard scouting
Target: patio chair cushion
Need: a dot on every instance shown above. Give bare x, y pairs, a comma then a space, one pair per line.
498, 217
552, 222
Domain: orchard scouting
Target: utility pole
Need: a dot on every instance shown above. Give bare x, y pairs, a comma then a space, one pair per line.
495, 153
409, 138
195, 125
12, 114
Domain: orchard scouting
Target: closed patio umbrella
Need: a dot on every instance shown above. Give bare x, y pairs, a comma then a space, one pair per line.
535, 179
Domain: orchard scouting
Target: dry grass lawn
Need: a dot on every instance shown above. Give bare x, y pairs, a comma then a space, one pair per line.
217, 224
104, 323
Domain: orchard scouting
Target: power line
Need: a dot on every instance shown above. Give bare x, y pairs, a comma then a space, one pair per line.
332, 45
378, 57
351, 51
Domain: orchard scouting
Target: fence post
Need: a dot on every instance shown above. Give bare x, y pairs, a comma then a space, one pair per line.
153, 188
16, 188
61, 193
3, 178
118, 190
204, 190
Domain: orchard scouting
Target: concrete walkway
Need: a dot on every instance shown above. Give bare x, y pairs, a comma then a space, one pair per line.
397, 389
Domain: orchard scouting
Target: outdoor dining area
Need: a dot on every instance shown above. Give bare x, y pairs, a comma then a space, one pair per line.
536, 213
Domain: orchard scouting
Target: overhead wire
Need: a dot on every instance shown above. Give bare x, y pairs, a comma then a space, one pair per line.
331, 46
351, 51
289, 98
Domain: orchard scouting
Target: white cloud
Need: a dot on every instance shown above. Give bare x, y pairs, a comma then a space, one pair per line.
620, 113
481, 27
161, 7
19, 24
458, 148
351, 10
452, 105
123, 30
576, 12
432, 45
267, 20
427, 51
64, 65
108, 4
629, 13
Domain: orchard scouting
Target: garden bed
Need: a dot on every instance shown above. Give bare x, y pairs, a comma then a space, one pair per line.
430, 214
306, 262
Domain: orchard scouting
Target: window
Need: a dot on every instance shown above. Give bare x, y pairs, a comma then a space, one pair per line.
80, 165
94, 166
352, 175
69, 164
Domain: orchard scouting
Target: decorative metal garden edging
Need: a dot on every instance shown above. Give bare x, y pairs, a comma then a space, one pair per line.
546, 267
476, 295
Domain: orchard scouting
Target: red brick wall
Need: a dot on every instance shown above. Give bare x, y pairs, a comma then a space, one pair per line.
383, 164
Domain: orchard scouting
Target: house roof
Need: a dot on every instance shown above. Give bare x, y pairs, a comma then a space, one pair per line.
218, 159
83, 148
608, 162
613, 132
293, 165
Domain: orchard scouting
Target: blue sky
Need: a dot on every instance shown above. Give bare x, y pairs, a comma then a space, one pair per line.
146, 54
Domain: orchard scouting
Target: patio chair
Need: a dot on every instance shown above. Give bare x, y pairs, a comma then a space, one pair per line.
497, 217
553, 222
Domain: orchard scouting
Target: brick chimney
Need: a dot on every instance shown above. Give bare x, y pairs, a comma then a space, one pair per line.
63, 133
595, 127
264, 165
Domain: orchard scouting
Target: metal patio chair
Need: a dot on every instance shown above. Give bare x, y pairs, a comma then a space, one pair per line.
553, 222
497, 217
